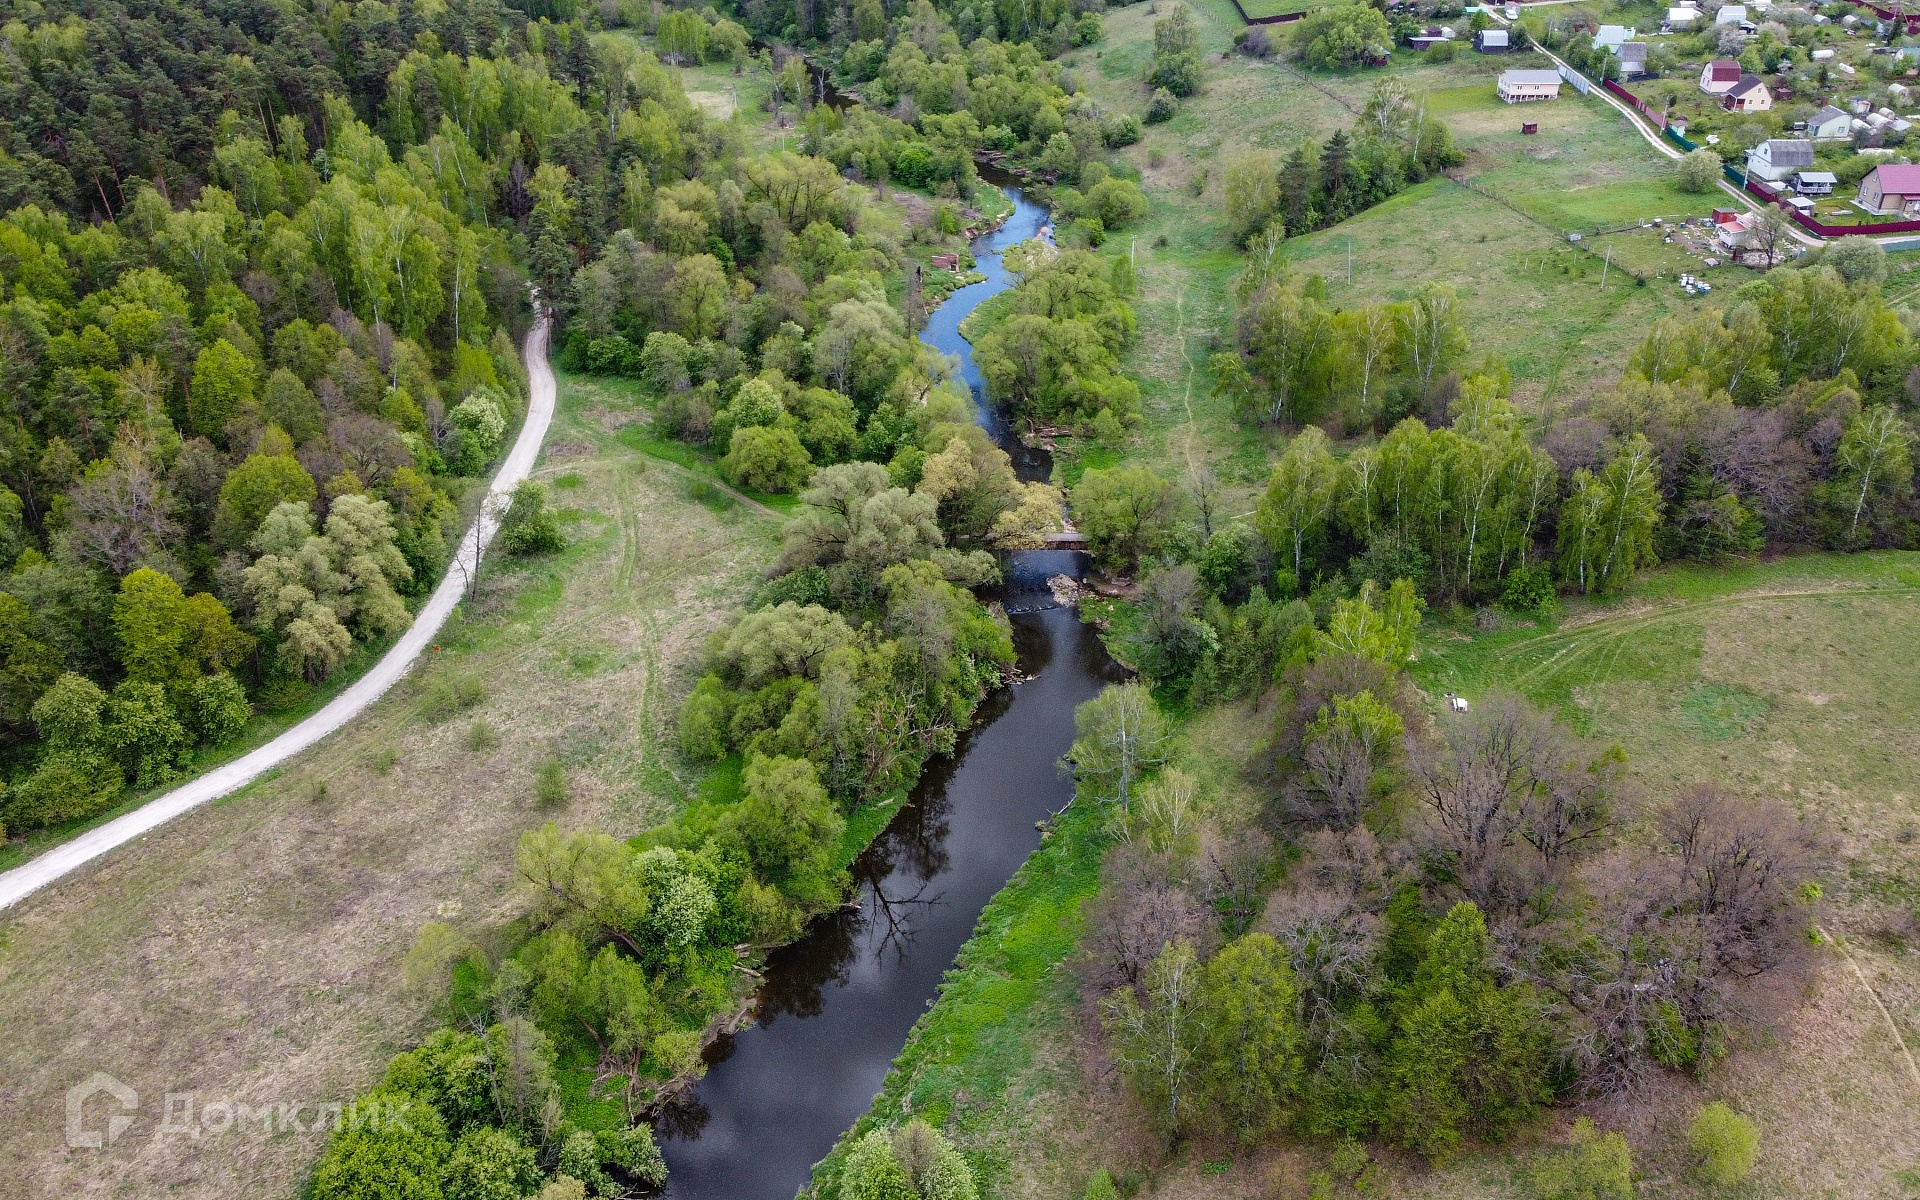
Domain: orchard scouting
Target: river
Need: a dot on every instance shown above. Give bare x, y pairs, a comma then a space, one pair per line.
837, 1005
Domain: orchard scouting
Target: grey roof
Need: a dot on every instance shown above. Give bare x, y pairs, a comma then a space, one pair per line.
1829, 113
1747, 84
1493, 37
1633, 52
1529, 77
1816, 177
1790, 152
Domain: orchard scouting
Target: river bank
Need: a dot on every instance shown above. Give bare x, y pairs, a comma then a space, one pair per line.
836, 1007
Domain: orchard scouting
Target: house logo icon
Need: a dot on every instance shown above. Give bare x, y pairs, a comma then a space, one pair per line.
78, 1135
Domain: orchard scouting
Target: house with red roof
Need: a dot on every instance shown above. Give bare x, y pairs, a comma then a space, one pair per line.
1718, 77
1891, 189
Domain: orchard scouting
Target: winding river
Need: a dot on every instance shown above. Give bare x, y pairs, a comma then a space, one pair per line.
837, 1004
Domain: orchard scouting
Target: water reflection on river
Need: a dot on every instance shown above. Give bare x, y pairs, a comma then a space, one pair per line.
837, 1005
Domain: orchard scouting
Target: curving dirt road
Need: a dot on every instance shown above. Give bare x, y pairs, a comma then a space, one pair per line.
24, 880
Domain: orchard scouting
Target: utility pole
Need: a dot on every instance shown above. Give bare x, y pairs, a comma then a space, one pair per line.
1608, 262
1349, 262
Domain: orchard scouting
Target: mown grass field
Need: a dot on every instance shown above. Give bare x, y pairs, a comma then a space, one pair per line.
1794, 680
251, 951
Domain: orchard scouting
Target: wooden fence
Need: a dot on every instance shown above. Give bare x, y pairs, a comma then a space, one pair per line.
1279, 20
1646, 110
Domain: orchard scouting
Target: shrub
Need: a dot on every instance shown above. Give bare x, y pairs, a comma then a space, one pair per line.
766, 460
634, 1151
491, 1164
479, 421
1697, 172
217, 709
373, 1155
67, 786
1120, 129
1598, 1166
1529, 590
550, 783
528, 526
1161, 107
450, 694
1724, 1145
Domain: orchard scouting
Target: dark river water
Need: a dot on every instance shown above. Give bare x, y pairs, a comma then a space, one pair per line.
837, 1004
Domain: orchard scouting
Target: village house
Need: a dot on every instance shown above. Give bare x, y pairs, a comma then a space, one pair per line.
1890, 189
1491, 41
1612, 37
1776, 158
1633, 59
1734, 234
1719, 76
1730, 14
1830, 123
1518, 87
1748, 96
1682, 18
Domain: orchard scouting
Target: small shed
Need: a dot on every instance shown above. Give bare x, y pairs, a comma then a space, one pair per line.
1529, 127
1491, 41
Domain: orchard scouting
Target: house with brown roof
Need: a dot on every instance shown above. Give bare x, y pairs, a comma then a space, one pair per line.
1891, 189
1719, 76
1748, 95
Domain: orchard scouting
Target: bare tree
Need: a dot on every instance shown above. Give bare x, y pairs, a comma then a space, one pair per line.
1144, 903
1511, 799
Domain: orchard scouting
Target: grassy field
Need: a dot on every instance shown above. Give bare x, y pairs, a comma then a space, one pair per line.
250, 951
1793, 679
1533, 300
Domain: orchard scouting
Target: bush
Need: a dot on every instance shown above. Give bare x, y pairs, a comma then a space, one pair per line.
1120, 129
1529, 590
1596, 1167
1161, 107
450, 694
528, 526
550, 783
1724, 1145
1343, 36
1697, 172
479, 421
67, 786
373, 1155
491, 1164
217, 709
766, 460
